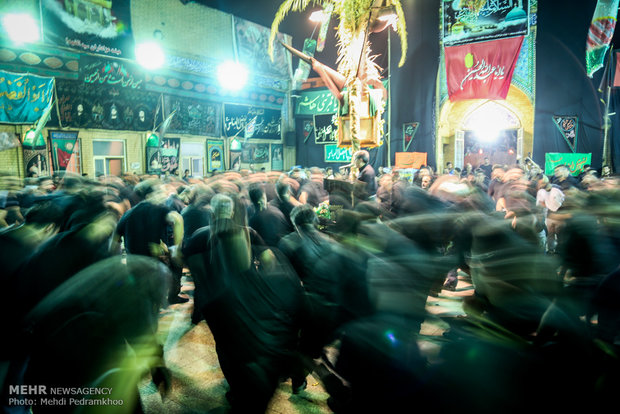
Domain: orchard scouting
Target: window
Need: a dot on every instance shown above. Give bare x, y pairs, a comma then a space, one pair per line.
109, 157
192, 158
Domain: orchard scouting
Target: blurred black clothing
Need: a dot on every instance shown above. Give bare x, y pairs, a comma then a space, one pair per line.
194, 217
271, 224
285, 207
144, 224
368, 176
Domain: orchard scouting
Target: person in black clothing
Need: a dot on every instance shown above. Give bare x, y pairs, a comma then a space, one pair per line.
366, 173
563, 178
197, 214
486, 167
152, 229
252, 310
283, 200
99, 329
267, 220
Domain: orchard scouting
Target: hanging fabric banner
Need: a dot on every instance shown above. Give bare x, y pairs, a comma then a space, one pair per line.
481, 70
409, 131
327, 16
600, 34
252, 40
23, 98
303, 68
567, 125
102, 27
266, 122
308, 129
334, 153
325, 129
63, 144
574, 161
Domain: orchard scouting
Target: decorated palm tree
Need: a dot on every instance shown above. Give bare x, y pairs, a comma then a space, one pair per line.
356, 64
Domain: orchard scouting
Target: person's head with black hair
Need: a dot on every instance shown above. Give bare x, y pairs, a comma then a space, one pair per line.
362, 155
304, 218
257, 195
145, 188
283, 189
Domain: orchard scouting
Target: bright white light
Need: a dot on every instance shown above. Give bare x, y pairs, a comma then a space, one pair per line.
318, 16
489, 120
232, 75
21, 27
488, 132
150, 55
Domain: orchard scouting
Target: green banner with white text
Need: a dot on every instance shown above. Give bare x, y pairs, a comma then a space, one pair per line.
574, 161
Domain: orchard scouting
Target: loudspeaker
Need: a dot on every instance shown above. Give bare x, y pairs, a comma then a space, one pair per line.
290, 138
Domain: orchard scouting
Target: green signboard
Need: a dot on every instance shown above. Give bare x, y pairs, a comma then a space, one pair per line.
574, 161
317, 102
335, 154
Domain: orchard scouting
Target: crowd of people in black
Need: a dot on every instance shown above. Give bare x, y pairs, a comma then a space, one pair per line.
87, 265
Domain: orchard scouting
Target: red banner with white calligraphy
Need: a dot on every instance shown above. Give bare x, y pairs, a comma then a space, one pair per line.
481, 70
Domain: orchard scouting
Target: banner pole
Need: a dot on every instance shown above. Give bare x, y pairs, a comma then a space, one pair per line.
606, 155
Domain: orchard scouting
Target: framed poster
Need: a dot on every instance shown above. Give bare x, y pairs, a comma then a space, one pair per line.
235, 160
36, 162
170, 155
277, 157
63, 144
153, 160
215, 155
255, 153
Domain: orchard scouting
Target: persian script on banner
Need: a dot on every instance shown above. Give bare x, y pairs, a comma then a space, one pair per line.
481, 70
24, 98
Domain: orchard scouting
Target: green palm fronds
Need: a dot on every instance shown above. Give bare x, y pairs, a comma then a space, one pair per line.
285, 8
402, 31
353, 15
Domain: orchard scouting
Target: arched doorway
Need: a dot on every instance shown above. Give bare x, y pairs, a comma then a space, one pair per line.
490, 131
502, 129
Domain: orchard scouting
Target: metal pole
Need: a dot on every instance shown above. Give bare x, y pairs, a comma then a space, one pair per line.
389, 128
606, 149
606, 154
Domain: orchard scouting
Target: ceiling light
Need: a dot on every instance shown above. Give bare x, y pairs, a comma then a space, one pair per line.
150, 55
21, 27
232, 75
